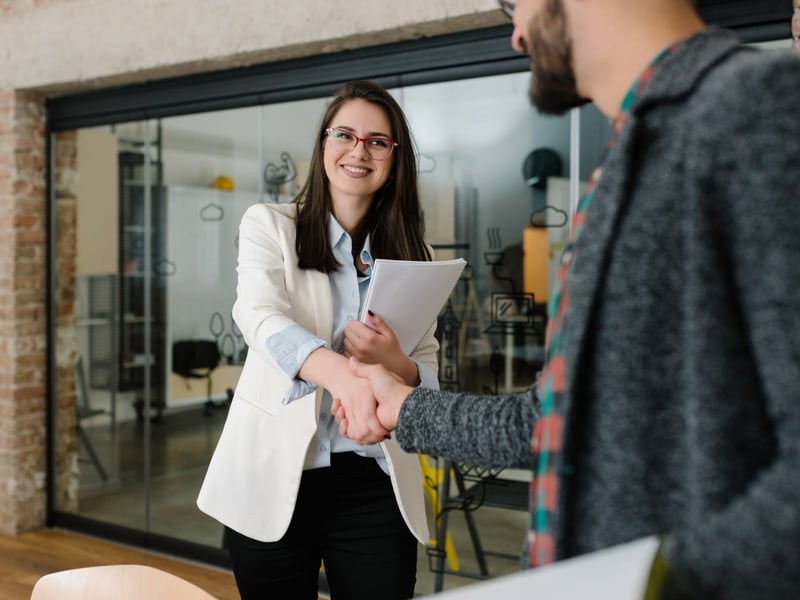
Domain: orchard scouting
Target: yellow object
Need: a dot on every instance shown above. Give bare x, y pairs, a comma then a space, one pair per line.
431, 481
534, 263
223, 183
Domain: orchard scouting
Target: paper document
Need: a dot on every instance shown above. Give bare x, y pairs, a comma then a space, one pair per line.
409, 294
616, 573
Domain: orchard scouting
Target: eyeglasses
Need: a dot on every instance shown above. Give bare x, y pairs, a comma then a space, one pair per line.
507, 7
378, 148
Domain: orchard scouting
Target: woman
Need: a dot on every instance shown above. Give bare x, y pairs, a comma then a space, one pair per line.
289, 489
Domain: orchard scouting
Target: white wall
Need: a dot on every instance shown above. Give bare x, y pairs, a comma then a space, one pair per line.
97, 213
472, 137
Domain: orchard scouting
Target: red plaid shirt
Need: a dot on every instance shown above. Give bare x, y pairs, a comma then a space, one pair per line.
546, 443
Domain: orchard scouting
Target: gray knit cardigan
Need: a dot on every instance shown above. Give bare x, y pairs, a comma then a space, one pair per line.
683, 336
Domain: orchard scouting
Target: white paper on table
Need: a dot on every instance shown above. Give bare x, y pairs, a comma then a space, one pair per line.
409, 294
616, 573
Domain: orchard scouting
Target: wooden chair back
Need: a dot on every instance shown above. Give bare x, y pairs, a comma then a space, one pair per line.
120, 582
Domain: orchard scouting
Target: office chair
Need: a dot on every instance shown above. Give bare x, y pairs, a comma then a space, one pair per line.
121, 582
197, 359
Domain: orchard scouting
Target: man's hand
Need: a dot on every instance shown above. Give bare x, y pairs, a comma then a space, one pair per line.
388, 390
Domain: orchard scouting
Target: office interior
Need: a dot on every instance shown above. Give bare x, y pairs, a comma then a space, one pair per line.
145, 204
157, 288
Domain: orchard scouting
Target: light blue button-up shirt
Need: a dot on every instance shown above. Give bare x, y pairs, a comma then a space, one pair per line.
291, 347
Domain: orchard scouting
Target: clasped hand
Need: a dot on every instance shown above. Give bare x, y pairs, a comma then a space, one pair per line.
388, 393
367, 412
356, 411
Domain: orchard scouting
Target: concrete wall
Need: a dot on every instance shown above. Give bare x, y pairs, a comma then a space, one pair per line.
67, 45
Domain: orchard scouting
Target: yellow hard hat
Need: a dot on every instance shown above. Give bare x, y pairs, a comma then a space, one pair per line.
223, 183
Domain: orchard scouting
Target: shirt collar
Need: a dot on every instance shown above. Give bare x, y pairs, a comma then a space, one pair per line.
339, 236
366, 256
336, 233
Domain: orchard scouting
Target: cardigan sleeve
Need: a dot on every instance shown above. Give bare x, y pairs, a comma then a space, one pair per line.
493, 431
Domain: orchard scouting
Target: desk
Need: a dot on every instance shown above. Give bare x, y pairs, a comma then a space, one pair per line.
183, 391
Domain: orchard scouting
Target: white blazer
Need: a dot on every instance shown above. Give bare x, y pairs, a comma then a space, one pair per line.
253, 477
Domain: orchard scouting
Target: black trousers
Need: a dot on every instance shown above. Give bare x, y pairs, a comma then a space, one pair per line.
346, 517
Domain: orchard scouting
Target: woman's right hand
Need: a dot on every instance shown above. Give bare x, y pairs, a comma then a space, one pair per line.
354, 395
328, 369
390, 393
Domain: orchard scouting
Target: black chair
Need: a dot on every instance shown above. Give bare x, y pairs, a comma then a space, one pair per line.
197, 359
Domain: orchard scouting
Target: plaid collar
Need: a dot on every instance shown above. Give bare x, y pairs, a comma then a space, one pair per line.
547, 439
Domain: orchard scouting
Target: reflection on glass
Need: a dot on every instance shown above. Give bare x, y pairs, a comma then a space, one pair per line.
91, 467
495, 190
147, 227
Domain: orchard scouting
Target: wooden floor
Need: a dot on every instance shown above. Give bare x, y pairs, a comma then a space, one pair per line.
25, 558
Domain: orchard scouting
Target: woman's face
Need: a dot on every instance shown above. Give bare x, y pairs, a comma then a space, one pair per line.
352, 173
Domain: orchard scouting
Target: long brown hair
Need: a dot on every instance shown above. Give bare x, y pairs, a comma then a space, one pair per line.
394, 219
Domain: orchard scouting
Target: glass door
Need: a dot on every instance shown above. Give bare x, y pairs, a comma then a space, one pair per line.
148, 212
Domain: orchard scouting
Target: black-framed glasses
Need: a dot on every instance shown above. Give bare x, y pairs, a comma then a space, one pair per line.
507, 6
378, 148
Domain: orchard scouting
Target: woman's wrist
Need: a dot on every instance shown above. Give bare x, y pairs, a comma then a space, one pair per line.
409, 372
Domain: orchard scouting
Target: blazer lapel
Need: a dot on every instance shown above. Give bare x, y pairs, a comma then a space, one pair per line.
322, 299
676, 78
593, 248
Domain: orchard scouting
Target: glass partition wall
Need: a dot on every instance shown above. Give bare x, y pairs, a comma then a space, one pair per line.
147, 217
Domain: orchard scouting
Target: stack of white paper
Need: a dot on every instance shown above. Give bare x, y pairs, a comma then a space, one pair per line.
409, 294
617, 573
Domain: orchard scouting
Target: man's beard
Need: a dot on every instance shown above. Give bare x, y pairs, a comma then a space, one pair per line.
553, 88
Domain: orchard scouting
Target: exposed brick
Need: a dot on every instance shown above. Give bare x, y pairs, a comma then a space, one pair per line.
22, 310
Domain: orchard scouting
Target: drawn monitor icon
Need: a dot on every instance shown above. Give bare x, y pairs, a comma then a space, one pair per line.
511, 311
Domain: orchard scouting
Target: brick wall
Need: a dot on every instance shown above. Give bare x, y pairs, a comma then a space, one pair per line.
22, 312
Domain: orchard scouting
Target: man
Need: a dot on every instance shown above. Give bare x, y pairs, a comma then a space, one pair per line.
669, 403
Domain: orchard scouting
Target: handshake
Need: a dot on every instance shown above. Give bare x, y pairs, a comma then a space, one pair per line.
368, 407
